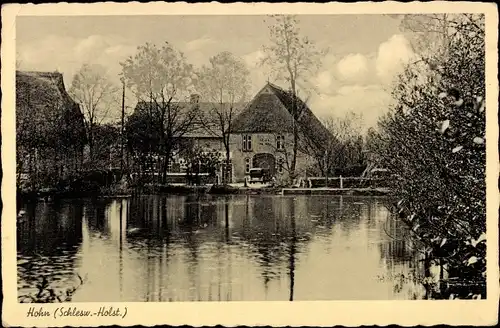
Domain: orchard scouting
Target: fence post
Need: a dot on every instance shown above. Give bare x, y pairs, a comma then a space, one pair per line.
341, 183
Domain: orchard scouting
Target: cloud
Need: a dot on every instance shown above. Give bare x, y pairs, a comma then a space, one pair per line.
370, 101
329, 61
91, 47
353, 67
392, 55
67, 55
325, 82
254, 58
198, 44
346, 90
360, 82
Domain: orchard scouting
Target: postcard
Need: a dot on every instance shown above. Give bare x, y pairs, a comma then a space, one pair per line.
250, 164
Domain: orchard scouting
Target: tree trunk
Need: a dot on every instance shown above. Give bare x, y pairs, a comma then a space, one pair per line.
326, 169
295, 130
225, 174
91, 144
295, 147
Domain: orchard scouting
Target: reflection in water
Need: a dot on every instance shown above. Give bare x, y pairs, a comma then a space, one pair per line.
293, 241
219, 248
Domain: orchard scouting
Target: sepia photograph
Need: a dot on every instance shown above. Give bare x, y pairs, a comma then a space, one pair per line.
267, 157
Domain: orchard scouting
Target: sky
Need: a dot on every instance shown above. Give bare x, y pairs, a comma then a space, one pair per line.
365, 52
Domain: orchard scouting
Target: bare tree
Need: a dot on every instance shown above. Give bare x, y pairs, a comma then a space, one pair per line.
344, 147
96, 95
225, 83
159, 77
292, 58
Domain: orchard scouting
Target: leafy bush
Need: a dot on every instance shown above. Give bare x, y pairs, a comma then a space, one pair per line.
434, 142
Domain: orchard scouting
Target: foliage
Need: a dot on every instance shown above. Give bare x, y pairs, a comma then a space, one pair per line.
433, 140
140, 133
225, 80
225, 83
159, 77
106, 142
97, 96
293, 58
157, 74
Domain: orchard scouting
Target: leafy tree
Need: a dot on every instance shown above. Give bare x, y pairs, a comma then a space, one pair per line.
373, 147
225, 82
142, 139
433, 141
105, 137
159, 77
96, 95
293, 58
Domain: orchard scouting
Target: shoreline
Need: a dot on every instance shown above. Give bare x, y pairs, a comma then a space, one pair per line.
201, 189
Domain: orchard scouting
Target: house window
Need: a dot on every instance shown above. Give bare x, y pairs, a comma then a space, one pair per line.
280, 165
247, 142
280, 142
247, 165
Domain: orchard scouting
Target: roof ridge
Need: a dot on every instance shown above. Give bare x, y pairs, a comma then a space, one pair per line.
286, 94
277, 87
40, 73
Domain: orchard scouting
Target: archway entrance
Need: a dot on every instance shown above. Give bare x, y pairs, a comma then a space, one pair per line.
265, 161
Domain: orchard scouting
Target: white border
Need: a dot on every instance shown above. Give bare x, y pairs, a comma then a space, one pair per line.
317, 313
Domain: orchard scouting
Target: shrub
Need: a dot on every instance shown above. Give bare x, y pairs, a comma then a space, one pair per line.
434, 144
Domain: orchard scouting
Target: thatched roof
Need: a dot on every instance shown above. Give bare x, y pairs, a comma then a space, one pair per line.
45, 113
271, 112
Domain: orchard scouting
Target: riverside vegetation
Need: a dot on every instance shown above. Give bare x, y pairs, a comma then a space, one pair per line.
433, 141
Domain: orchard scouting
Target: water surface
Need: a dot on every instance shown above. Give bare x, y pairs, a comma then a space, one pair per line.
218, 248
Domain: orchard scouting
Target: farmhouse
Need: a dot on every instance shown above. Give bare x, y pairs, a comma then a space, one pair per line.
262, 135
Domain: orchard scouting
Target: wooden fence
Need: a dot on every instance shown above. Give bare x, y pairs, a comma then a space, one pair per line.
346, 182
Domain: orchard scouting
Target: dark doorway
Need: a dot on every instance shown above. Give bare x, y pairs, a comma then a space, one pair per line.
265, 161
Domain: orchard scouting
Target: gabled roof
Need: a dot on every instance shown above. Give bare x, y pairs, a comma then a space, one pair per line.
271, 112
205, 125
266, 113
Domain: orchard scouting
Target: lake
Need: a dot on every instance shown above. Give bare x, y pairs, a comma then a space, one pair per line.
218, 248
